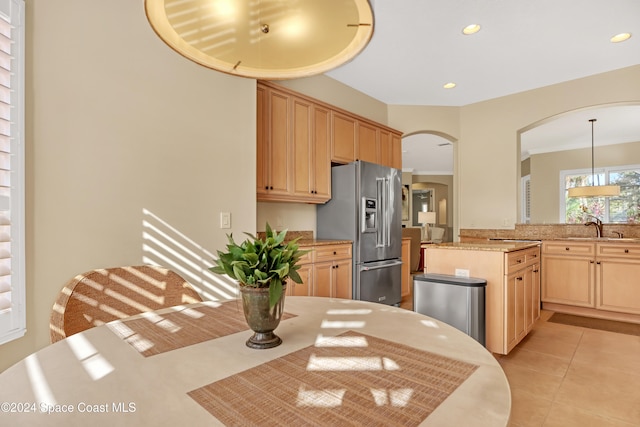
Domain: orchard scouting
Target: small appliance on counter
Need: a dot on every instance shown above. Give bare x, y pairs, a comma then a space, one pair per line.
365, 207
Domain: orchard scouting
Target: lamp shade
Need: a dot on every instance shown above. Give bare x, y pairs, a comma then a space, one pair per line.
595, 191
427, 217
264, 39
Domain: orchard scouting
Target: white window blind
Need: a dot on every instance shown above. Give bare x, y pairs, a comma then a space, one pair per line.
12, 283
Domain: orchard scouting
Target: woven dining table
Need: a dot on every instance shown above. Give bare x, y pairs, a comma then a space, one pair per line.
342, 362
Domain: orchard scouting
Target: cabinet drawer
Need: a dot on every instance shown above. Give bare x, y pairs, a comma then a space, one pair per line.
331, 252
515, 261
568, 248
619, 250
532, 255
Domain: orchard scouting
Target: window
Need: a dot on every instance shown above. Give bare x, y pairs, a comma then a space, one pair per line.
12, 283
624, 208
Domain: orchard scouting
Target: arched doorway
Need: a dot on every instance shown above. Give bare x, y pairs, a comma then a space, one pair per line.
428, 175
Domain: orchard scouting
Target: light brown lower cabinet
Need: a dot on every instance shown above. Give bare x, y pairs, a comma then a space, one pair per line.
512, 295
568, 273
303, 289
406, 266
523, 303
598, 279
326, 271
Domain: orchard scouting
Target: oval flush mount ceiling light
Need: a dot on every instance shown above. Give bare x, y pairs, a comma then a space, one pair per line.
265, 39
449, 85
471, 29
620, 37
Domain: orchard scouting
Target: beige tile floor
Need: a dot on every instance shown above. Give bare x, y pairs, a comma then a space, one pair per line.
568, 376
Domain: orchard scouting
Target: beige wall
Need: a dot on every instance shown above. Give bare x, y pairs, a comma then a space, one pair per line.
488, 150
545, 174
132, 153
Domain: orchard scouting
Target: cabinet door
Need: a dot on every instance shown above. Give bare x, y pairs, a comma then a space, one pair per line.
321, 153
278, 156
384, 143
322, 278
527, 279
568, 280
262, 149
305, 288
618, 286
342, 279
343, 141
406, 261
301, 119
396, 151
367, 143
535, 290
514, 309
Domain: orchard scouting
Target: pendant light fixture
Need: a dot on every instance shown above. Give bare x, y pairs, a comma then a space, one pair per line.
594, 190
264, 39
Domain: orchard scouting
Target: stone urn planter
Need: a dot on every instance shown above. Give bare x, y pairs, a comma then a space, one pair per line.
261, 317
261, 266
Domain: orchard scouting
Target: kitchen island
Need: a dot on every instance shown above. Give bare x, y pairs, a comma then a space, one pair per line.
512, 272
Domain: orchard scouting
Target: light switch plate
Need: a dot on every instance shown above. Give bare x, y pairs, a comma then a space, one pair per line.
225, 219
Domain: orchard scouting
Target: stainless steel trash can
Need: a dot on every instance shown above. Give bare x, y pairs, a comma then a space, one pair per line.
456, 301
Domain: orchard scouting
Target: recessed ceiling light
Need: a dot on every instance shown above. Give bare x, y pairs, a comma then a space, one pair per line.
471, 29
620, 37
449, 85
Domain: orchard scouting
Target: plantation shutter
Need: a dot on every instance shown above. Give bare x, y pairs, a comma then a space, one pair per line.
12, 286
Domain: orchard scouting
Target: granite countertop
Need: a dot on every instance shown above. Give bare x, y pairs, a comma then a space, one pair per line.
307, 239
500, 246
321, 242
599, 239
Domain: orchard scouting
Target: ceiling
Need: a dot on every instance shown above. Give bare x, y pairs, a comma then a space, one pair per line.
418, 46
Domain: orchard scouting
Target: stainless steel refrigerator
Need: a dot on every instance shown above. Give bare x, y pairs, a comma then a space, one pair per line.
366, 208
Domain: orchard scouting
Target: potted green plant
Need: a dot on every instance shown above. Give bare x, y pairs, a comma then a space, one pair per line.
261, 266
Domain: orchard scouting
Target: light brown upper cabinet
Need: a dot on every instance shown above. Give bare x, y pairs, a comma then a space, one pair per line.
273, 150
367, 138
384, 145
343, 140
396, 151
312, 171
293, 143
298, 138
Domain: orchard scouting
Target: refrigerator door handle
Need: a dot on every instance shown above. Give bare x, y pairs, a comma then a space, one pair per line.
379, 265
384, 229
382, 221
387, 211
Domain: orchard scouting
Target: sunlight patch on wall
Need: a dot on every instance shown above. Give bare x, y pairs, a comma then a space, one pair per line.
164, 245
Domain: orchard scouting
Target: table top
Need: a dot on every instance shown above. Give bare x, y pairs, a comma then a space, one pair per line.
339, 360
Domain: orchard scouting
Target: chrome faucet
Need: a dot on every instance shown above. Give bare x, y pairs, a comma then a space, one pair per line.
596, 221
